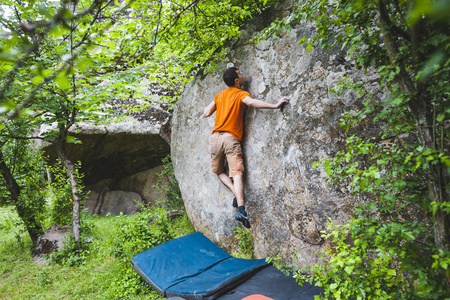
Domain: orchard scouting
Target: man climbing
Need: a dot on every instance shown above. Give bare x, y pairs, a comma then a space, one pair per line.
225, 139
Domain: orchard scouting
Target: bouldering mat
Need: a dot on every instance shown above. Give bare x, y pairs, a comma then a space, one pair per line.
193, 267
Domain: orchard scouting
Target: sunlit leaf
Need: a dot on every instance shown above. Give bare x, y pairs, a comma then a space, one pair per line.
63, 81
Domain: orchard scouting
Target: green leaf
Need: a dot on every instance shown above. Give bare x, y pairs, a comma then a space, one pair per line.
333, 286
349, 269
391, 272
38, 79
62, 81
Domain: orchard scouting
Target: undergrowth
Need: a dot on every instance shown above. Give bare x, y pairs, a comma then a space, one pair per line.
101, 271
146, 230
245, 243
168, 185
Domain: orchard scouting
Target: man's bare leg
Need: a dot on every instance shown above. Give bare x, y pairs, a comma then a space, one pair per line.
236, 187
226, 180
239, 189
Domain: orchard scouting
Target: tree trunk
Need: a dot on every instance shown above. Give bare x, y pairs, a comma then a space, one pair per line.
71, 171
32, 225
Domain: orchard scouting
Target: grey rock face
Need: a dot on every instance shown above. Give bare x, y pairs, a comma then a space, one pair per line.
288, 201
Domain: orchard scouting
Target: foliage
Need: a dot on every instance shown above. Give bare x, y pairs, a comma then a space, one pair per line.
245, 242
22, 167
23, 278
368, 260
168, 184
172, 40
147, 229
71, 255
11, 223
181, 225
287, 269
30, 175
28, 169
67, 52
61, 194
9, 219
397, 245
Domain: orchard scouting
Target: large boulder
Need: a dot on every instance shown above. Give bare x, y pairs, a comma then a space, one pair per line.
114, 202
288, 200
135, 190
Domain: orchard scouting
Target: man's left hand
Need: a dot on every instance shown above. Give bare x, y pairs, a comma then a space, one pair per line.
283, 100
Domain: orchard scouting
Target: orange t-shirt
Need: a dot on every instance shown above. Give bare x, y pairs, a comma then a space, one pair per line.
230, 111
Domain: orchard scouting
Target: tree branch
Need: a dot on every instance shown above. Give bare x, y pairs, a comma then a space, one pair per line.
159, 21
94, 19
406, 84
168, 26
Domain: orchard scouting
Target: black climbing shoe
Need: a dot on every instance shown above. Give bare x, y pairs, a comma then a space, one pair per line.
235, 202
243, 219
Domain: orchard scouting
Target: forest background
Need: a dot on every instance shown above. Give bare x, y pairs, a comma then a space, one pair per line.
61, 63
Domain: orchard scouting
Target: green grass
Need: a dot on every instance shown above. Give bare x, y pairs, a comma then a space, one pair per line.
20, 278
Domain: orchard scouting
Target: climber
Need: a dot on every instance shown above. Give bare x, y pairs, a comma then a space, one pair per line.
225, 139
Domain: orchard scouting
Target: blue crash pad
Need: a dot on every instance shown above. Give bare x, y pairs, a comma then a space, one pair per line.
193, 267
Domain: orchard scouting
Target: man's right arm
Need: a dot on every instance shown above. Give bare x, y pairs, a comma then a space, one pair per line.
262, 104
209, 110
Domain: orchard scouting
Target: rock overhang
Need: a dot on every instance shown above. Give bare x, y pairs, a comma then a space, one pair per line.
115, 150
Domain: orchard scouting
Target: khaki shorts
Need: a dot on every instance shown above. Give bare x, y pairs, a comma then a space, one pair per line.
224, 144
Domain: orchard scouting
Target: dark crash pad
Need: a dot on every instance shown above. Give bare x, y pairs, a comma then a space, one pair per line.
272, 283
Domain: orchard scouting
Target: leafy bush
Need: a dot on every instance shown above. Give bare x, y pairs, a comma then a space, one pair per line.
137, 233
287, 269
26, 166
32, 181
9, 219
61, 193
70, 254
169, 186
11, 223
245, 244
373, 260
